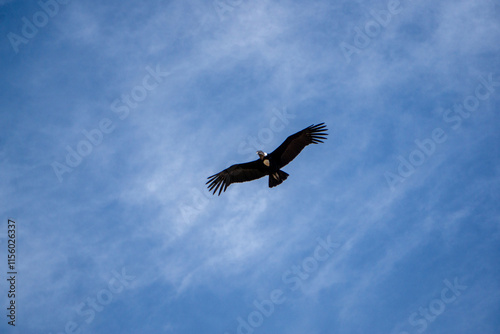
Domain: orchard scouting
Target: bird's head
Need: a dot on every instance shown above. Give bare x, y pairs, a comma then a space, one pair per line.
261, 154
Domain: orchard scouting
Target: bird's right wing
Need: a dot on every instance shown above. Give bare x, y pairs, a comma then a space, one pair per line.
236, 173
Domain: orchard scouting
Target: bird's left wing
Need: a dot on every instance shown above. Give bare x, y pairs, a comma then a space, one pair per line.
236, 173
295, 143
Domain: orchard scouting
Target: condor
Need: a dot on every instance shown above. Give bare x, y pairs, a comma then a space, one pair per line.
268, 164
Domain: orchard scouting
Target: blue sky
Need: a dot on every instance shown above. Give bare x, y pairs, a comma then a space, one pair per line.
114, 113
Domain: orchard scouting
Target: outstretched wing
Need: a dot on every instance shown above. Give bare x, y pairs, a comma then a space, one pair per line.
236, 173
294, 144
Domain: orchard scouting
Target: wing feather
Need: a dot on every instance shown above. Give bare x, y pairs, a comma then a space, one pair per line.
236, 173
295, 143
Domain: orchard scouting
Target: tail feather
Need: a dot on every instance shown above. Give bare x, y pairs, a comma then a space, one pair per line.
277, 178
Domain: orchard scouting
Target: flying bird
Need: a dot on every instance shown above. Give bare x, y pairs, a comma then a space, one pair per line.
268, 164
